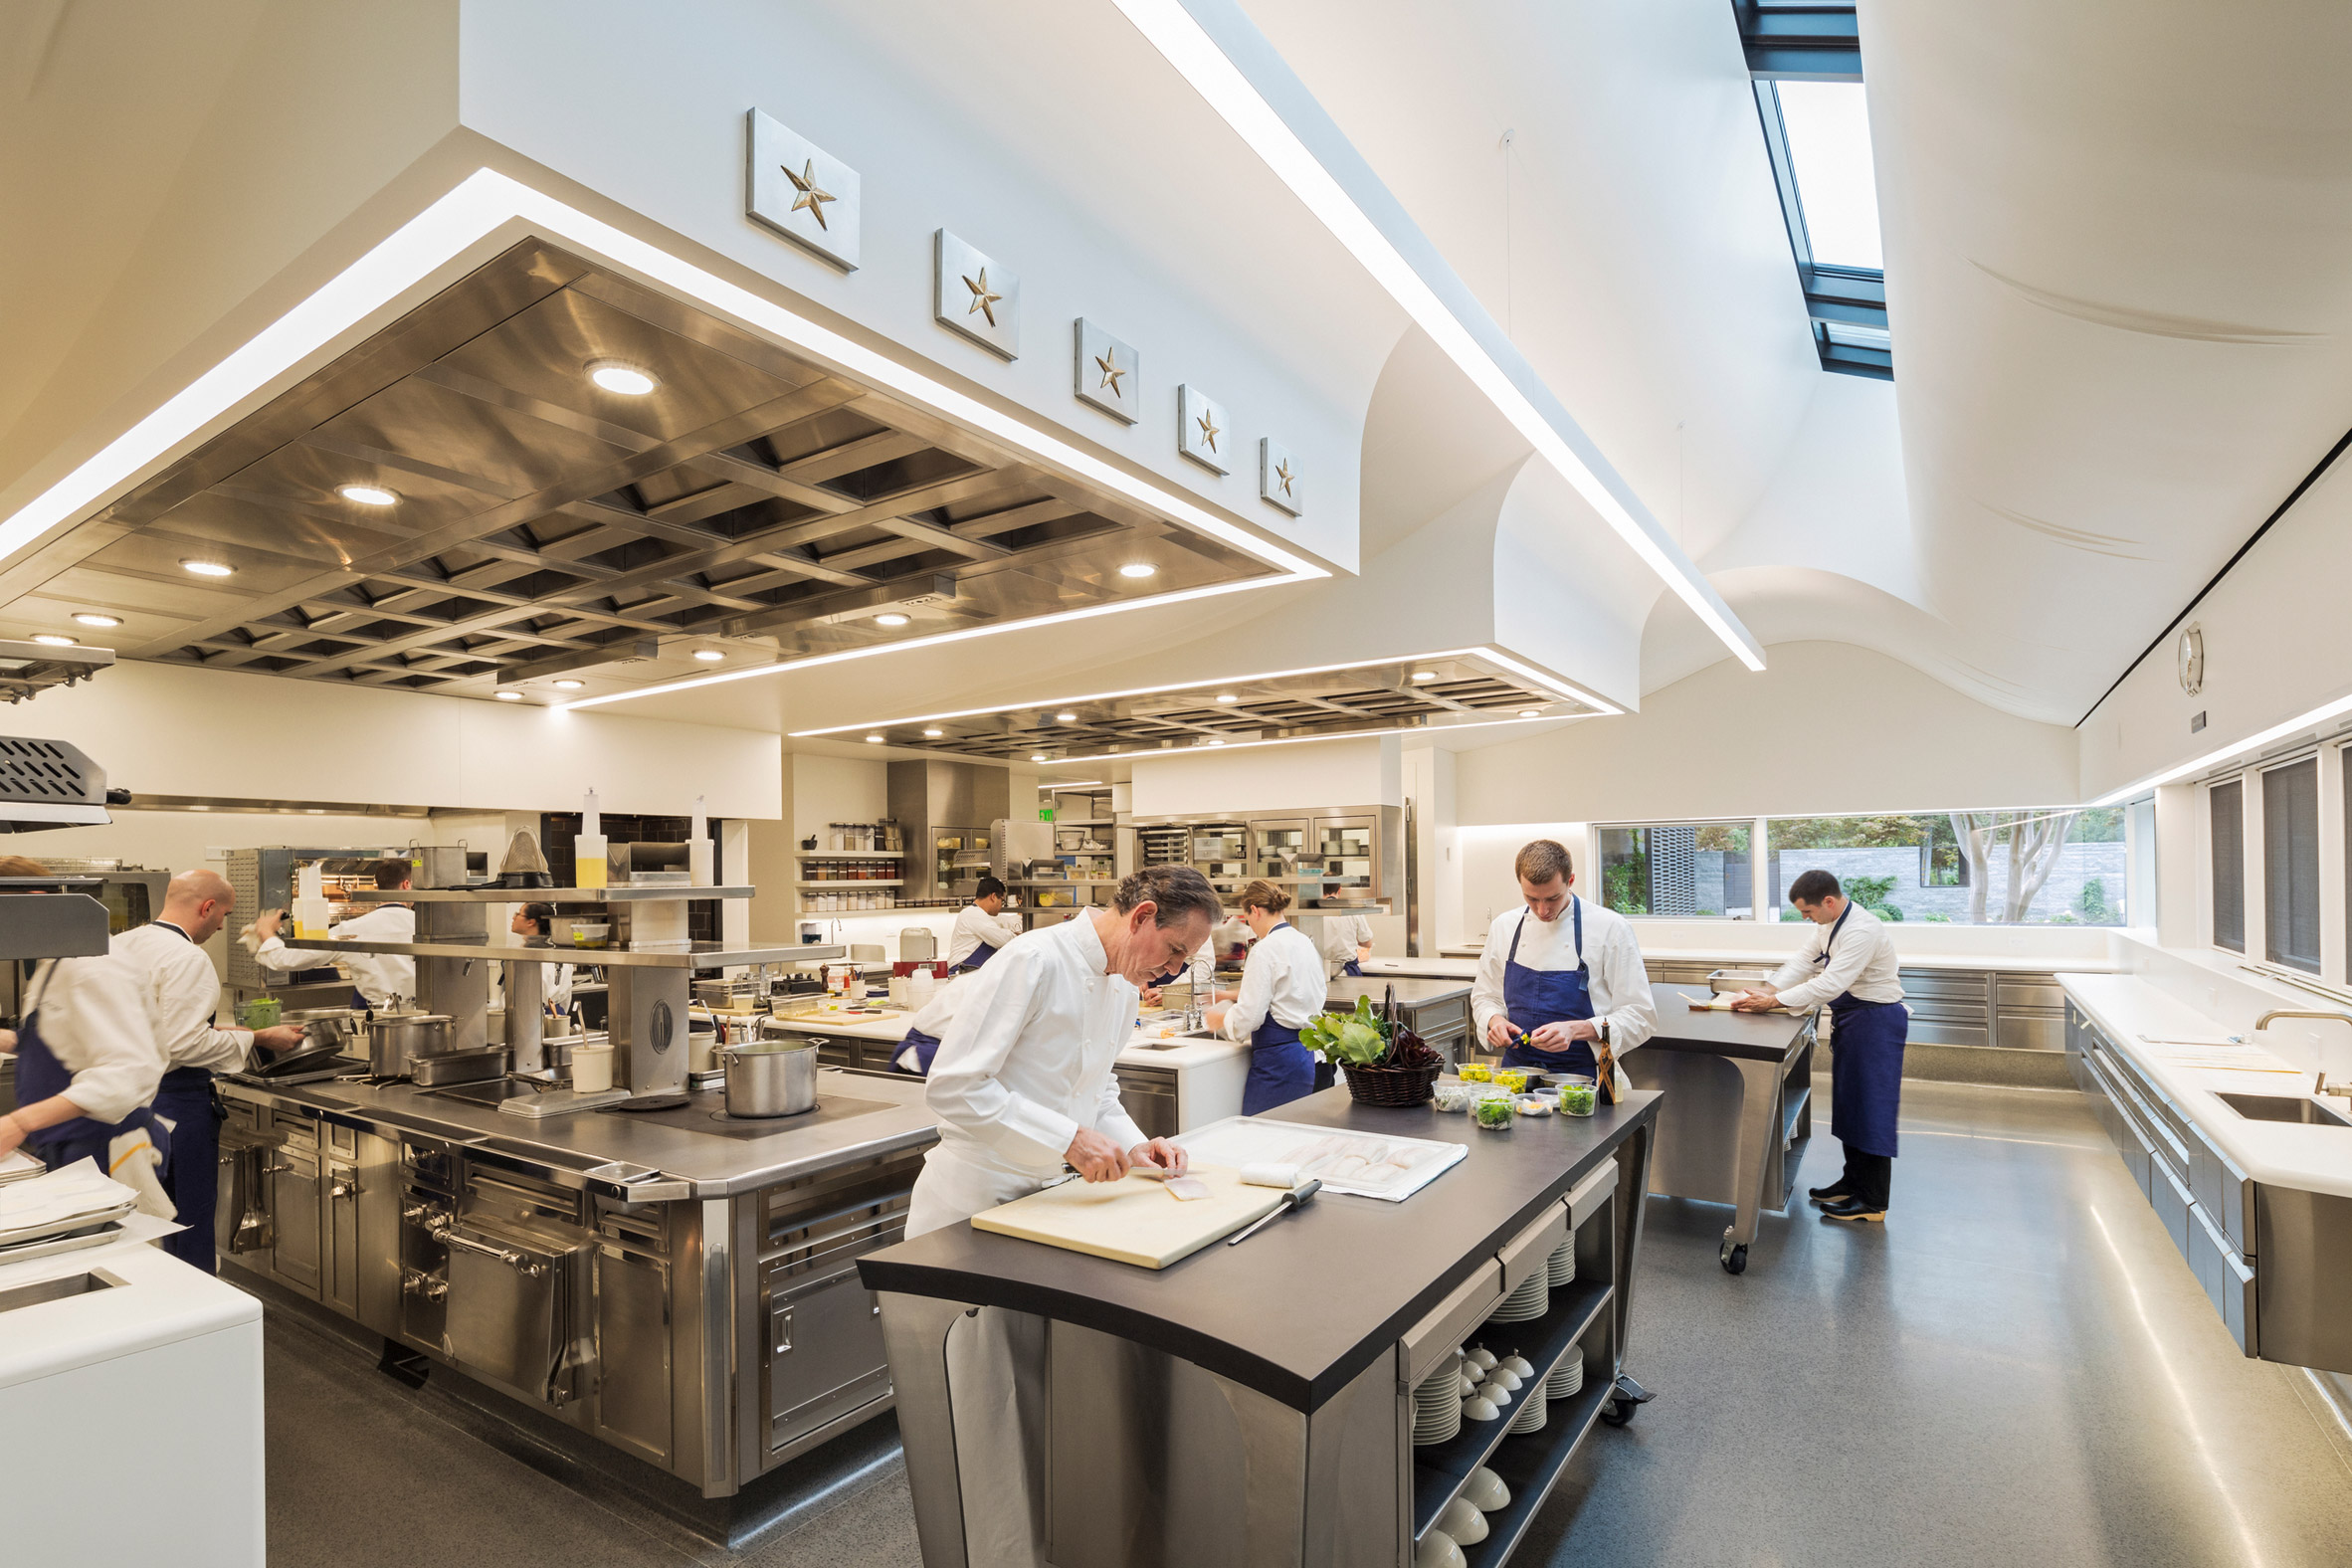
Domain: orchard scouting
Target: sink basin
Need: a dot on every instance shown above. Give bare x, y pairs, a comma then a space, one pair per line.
2284, 1108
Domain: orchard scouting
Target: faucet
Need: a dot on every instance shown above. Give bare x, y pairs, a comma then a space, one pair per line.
2322, 1086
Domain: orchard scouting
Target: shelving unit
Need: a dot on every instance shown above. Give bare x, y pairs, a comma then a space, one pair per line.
848, 855
838, 882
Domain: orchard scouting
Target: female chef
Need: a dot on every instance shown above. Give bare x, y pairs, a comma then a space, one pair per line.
1282, 986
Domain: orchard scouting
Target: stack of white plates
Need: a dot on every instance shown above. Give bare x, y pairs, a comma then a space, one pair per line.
1566, 1378
1532, 1298
1436, 1404
1531, 1412
1563, 1265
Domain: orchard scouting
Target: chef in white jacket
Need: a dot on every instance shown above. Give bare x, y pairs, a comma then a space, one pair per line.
377, 977
183, 992
1283, 987
979, 931
1022, 1081
1559, 975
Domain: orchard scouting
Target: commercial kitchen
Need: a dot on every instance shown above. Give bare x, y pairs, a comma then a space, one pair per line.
1172, 782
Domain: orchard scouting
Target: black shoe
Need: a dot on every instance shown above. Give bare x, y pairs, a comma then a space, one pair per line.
1852, 1211
1835, 1192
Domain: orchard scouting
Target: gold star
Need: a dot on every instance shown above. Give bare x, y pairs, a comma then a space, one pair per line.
1209, 432
810, 197
982, 300
1282, 473
1110, 365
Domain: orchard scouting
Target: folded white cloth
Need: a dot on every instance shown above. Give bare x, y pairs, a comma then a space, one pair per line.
132, 1159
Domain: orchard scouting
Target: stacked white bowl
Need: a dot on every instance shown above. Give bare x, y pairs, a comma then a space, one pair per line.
1437, 1403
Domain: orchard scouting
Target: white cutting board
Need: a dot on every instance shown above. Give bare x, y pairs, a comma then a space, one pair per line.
1133, 1220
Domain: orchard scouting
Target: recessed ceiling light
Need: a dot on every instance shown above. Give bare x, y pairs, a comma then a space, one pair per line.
368, 495
892, 618
873, 740
1425, 675
934, 734
569, 685
209, 568
627, 380
52, 640
1530, 713
1216, 740
507, 696
1065, 718
1228, 696
1037, 756
1138, 569
89, 618
708, 656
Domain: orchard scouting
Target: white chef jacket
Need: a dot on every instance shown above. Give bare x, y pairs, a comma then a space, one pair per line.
1282, 978
379, 977
931, 1019
1025, 1060
1619, 982
973, 926
1861, 960
555, 986
94, 1019
183, 992
1342, 935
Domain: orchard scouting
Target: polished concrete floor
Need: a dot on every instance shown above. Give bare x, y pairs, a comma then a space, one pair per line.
2017, 1369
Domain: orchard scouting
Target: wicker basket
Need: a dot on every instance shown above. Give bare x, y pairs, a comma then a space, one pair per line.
1392, 1086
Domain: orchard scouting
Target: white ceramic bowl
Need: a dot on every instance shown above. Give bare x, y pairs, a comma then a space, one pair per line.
1480, 1408
1508, 1379
1485, 1491
1439, 1550
1463, 1523
1483, 1358
1519, 1366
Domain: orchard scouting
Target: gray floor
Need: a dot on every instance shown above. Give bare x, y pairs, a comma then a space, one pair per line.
2019, 1368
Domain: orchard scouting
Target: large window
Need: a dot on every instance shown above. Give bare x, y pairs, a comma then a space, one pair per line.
1985, 868
1678, 868
2290, 865
2228, 805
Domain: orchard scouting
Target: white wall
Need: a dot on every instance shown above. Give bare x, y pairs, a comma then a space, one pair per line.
164, 730
1368, 772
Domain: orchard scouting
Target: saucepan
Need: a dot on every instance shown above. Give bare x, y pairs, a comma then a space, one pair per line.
394, 1040
771, 1077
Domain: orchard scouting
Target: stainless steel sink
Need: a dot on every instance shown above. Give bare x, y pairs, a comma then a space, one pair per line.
2284, 1108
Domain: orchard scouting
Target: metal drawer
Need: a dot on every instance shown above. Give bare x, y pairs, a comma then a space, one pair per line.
1955, 985
2027, 991
2169, 1197
2228, 1279
2223, 1191
823, 1356
2030, 1032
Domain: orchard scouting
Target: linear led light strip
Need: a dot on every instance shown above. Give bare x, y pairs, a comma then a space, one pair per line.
470, 210
2220, 754
1173, 31
1524, 670
1219, 748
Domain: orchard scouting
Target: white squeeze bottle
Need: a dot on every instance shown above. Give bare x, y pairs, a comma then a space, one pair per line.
310, 905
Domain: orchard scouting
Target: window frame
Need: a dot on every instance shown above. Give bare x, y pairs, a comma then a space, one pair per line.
2214, 870
2275, 889
1759, 891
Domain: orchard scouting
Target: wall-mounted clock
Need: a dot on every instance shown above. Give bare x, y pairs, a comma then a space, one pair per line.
2189, 655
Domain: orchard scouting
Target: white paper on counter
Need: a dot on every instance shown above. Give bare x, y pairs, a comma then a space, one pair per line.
1326, 1154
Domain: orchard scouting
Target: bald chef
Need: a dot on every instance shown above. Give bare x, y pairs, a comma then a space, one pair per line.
1022, 1081
1560, 975
183, 992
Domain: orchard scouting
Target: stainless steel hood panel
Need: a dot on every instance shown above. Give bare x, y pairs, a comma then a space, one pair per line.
545, 524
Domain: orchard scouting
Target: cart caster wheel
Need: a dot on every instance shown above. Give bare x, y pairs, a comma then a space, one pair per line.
1735, 1258
1618, 1412
1624, 1398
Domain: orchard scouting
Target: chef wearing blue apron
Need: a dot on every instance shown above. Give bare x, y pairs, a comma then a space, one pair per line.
1559, 975
926, 1028
1283, 987
88, 1069
978, 933
1851, 965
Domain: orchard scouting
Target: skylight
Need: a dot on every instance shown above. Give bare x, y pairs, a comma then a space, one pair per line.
1829, 130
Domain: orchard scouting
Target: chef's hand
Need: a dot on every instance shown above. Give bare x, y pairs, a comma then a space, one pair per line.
7, 1042
12, 1132
279, 1036
1151, 996
265, 925
1761, 1000
1094, 1157
1213, 1020
1501, 1032
1363, 952
1160, 1152
1556, 1036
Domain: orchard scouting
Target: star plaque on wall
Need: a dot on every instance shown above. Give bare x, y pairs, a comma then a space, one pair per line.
1278, 483
802, 192
1108, 373
973, 295
1202, 430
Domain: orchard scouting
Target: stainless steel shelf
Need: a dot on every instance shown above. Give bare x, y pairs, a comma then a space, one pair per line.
620, 894
695, 955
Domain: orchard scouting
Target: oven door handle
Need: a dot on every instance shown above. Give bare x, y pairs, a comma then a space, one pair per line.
522, 1264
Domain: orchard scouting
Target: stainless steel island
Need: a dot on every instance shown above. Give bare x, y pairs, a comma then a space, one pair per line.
678, 1285
1254, 1403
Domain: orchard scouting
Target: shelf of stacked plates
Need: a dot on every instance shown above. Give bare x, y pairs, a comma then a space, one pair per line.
1498, 1419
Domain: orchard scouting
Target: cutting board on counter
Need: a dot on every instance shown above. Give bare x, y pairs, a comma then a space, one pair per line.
1133, 1220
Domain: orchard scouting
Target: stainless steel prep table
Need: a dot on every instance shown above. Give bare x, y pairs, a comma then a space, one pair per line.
1253, 1405
1739, 1107
688, 1298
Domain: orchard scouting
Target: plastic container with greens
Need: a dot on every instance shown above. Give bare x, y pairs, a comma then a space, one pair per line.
1495, 1115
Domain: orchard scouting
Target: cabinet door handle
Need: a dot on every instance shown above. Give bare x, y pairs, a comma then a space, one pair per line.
343, 1189
782, 1324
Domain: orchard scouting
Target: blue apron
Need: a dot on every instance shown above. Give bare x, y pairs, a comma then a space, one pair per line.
1280, 1069
1353, 969
975, 958
925, 1048
189, 1144
1535, 997
1865, 1064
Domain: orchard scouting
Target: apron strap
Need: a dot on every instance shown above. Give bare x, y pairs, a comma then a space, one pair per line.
1822, 957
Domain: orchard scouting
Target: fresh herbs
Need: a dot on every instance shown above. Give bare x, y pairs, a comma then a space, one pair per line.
1366, 1039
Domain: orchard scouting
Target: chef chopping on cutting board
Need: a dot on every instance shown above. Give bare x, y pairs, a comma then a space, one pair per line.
1851, 964
1283, 988
1022, 1081
978, 933
1559, 975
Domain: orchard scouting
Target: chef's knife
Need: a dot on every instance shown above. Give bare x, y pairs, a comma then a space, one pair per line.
1294, 1199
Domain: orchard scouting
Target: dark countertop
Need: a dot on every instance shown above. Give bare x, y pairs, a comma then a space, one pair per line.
1763, 1036
1300, 1308
1411, 991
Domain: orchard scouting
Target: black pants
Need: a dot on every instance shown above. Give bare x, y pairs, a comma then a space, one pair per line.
1868, 1177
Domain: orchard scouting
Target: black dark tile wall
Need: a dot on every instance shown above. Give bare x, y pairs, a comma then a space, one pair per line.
558, 830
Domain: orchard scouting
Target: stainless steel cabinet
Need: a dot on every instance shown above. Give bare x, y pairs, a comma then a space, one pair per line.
1150, 1096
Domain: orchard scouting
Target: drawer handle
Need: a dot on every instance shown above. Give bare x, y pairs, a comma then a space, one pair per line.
449, 1234
343, 1189
783, 1332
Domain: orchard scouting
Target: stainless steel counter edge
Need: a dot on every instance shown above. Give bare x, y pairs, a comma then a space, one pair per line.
628, 1158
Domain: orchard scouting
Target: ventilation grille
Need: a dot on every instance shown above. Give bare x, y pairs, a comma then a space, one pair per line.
49, 772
